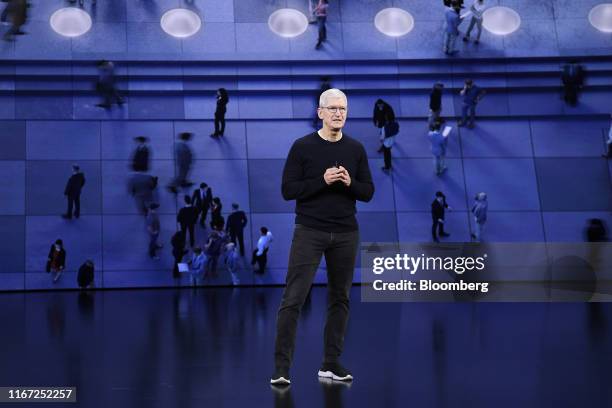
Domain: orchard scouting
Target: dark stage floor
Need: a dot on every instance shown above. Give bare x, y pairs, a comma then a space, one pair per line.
213, 348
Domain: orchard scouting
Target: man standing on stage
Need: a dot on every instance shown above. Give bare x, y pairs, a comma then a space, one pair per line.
325, 172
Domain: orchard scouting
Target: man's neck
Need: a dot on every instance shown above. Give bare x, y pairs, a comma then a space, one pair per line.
329, 134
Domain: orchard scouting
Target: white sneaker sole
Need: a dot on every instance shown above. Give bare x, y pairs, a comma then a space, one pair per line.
280, 381
329, 374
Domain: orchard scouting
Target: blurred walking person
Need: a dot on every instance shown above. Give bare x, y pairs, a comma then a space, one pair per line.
320, 11
438, 207
85, 276
187, 218
572, 78
56, 260
106, 85
153, 228
143, 188
609, 143
73, 189
197, 266
231, 262
16, 12
184, 159
213, 248
382, 115
438, 147
221, 109
178, 251
435, 103
471, 94
260, 255
477, 8
141, 156
451, 28
202, 200
479, 211
236, 222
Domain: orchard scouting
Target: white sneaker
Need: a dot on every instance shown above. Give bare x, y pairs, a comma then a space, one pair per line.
335, 372
280, 377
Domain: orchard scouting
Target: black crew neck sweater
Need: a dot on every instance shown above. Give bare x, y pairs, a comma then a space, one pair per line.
329, 208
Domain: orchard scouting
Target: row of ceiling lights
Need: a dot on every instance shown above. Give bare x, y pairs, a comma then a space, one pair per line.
394, 22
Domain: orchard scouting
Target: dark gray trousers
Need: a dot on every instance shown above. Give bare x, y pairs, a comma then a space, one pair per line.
307, 248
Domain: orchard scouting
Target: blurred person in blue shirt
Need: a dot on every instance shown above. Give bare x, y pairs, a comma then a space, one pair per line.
471, 94
451, 28
197, 266
438, 146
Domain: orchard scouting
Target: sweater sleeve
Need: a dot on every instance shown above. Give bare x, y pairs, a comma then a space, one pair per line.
362, 187
294, 186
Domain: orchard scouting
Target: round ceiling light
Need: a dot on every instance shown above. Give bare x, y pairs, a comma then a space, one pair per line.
501, 20
70, 21
288, 22
394, 22
180, 23
600, 17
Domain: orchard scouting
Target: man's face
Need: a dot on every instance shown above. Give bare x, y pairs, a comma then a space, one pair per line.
334, 114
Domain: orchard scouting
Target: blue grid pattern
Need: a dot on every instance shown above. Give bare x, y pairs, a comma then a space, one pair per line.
536, 191
538, 159
234, 29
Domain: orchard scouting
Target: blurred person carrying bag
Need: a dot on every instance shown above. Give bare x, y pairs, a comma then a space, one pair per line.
390, 130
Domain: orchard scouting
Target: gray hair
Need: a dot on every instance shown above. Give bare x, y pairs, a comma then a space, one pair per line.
331, 93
